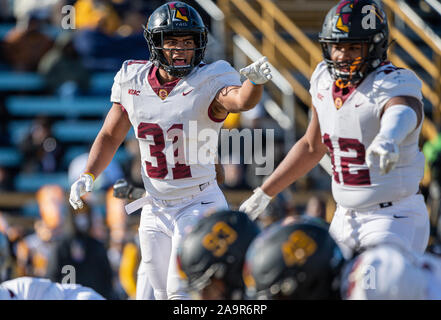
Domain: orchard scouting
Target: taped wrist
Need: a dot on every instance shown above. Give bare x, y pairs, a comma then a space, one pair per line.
397, 122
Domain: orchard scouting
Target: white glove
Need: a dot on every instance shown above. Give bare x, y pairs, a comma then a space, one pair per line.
388, 152
258, 72
255, 204
79, 188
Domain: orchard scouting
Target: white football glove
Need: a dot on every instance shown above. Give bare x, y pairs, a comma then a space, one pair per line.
388, 152
79, 188
258, 72
256, 204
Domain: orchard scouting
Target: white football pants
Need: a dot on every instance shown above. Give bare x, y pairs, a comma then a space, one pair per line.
160, 232
405, 223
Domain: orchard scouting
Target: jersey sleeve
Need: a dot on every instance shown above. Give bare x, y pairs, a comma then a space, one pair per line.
223, 75
400, 82
313, 82
116, 88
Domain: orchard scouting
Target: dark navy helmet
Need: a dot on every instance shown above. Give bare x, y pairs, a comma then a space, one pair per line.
175, 19
215, 249
298, 260
355, 21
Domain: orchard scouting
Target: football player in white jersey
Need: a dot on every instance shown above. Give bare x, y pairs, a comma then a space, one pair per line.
29, 288
171, 102
367, 114
387, 272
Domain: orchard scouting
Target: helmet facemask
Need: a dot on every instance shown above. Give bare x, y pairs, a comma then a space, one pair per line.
344, 23
350, 72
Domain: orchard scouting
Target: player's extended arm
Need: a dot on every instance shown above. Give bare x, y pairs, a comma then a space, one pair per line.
302, 157
242, 98
401, 116
112, 134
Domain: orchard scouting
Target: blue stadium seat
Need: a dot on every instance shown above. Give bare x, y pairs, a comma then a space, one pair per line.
5, 28
31, 210
31, 182
20, 81
121, 154
18, 130
9, 157
71, 153
66, 131
54, 106
76, 131
49, 30
101, 83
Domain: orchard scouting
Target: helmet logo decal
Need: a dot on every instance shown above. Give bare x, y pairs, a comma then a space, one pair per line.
344, 12
298, 248
220, 237
179, 13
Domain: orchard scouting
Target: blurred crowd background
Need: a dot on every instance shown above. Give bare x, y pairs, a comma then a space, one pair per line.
54, 93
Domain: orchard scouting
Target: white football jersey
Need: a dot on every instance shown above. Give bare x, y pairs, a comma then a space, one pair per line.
387, 272
177, 136
28, 288
349, 130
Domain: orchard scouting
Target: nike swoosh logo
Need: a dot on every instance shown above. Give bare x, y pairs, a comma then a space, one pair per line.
207, 202
357, 105
185, 93
399, 217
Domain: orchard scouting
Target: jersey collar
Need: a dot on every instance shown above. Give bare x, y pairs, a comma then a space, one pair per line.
162, 90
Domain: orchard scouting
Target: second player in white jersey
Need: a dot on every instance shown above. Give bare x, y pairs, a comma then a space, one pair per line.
349, 130
28, 288
169, 126
368, 115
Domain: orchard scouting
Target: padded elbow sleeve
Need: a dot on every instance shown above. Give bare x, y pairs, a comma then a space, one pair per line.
397, 122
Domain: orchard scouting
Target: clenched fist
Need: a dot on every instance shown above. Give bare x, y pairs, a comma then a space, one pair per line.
258, 72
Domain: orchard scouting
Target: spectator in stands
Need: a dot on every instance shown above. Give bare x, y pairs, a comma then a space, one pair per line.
98, 42
316, 208
116, 221
22, 9
131, 167
24, 45
5, 10
33, 251
6, 182
62, 67
96, 14
41, 150
86, 254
